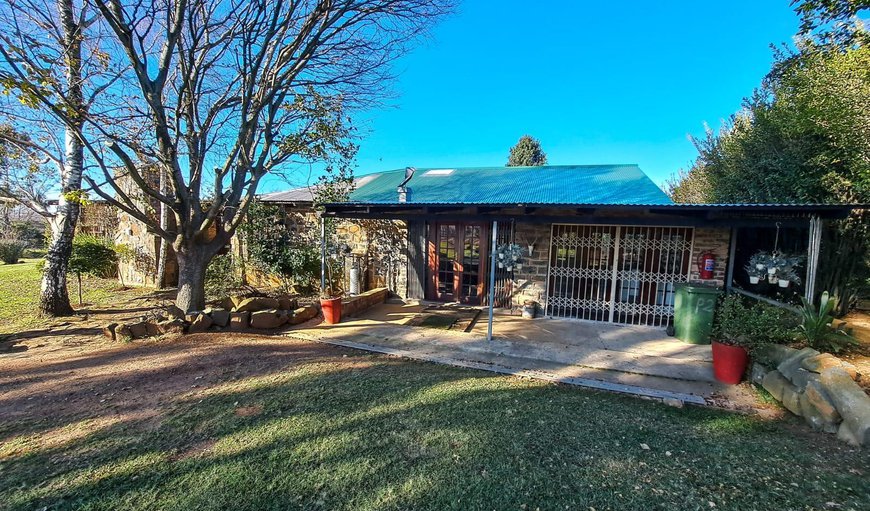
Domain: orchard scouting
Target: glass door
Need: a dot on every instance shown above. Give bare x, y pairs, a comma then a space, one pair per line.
459, 253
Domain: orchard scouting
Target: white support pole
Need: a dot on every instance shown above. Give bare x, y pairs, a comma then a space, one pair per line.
813, 257
491, 281
322, 254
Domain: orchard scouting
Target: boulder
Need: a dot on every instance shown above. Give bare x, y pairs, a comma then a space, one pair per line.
791, 399
823, 361
257, 303
109, 330
138, 330
220, 317
790, 365
152, 328
239, 320
123, 333
817, 397
200, 323
174, 312
802, 377
230, 302
303, 314
757, 372
774, 382
268, 319
172, 326
851, 402
846, 434
814, 418
287, 303
191, 316
771, 355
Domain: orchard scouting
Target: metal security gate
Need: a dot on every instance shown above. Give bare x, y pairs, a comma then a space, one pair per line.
620, 274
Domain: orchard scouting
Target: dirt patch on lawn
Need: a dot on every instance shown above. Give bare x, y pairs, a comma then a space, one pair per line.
82, 331
51, 387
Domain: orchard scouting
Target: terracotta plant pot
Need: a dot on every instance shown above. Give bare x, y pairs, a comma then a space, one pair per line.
331, 308
729, 362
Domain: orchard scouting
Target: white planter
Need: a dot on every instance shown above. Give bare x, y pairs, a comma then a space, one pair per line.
759, 266
784, 283
519, 267
753, 279
500, 264
501, 256
509, 268
771, 271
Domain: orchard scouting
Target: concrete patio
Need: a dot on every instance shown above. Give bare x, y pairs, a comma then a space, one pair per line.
636, 360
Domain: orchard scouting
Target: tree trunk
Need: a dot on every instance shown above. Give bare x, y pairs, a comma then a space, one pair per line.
163, 250
54, 298
192, 262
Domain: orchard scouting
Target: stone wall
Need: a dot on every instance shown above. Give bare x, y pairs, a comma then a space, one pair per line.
141, 268
718, 241
380, 247
355, 304
98, 219
531, 281
818, 387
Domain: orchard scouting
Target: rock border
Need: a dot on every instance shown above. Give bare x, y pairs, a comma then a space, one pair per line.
819, 387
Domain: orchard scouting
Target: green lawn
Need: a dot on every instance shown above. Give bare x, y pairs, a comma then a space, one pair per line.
339, 429
19, 294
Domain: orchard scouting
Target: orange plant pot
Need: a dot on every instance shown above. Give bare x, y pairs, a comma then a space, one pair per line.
331, 308
729, 363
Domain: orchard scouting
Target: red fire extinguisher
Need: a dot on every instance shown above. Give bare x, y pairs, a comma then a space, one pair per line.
706, 265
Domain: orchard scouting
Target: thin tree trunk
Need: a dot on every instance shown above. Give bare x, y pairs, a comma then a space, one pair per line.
192, 263
163, 250
54, 297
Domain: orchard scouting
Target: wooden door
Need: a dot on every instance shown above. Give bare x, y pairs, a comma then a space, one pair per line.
458, 265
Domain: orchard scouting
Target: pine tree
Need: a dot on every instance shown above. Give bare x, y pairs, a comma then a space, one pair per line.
527, 153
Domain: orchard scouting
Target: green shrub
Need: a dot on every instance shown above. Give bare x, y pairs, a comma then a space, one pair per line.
276, 249
817, 327
95, 256
221, 277
749, 323
11, 250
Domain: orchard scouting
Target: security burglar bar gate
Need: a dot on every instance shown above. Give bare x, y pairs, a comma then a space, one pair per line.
616, 273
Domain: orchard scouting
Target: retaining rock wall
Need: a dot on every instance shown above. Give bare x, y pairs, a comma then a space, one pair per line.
819, 387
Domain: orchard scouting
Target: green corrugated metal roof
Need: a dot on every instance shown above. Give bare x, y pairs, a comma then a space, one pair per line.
550, 184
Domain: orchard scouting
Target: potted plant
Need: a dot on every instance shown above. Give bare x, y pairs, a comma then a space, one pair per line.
730, 342
759, 261
787, 276
330, 298
330, 305
510, 256
755, 274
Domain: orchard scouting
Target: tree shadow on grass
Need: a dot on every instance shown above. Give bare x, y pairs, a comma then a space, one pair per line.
347, 430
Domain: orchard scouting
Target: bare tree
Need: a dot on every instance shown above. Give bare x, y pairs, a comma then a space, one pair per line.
220, 93
49, 87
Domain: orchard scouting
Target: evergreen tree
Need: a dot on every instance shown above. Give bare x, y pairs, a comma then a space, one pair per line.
527, 153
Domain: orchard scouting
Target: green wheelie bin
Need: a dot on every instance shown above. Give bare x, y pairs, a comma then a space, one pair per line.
693, 312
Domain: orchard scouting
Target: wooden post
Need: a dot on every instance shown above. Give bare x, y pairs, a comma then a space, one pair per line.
492, 280
813, 257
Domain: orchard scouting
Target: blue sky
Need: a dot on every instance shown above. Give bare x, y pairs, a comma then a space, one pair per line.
595, 82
